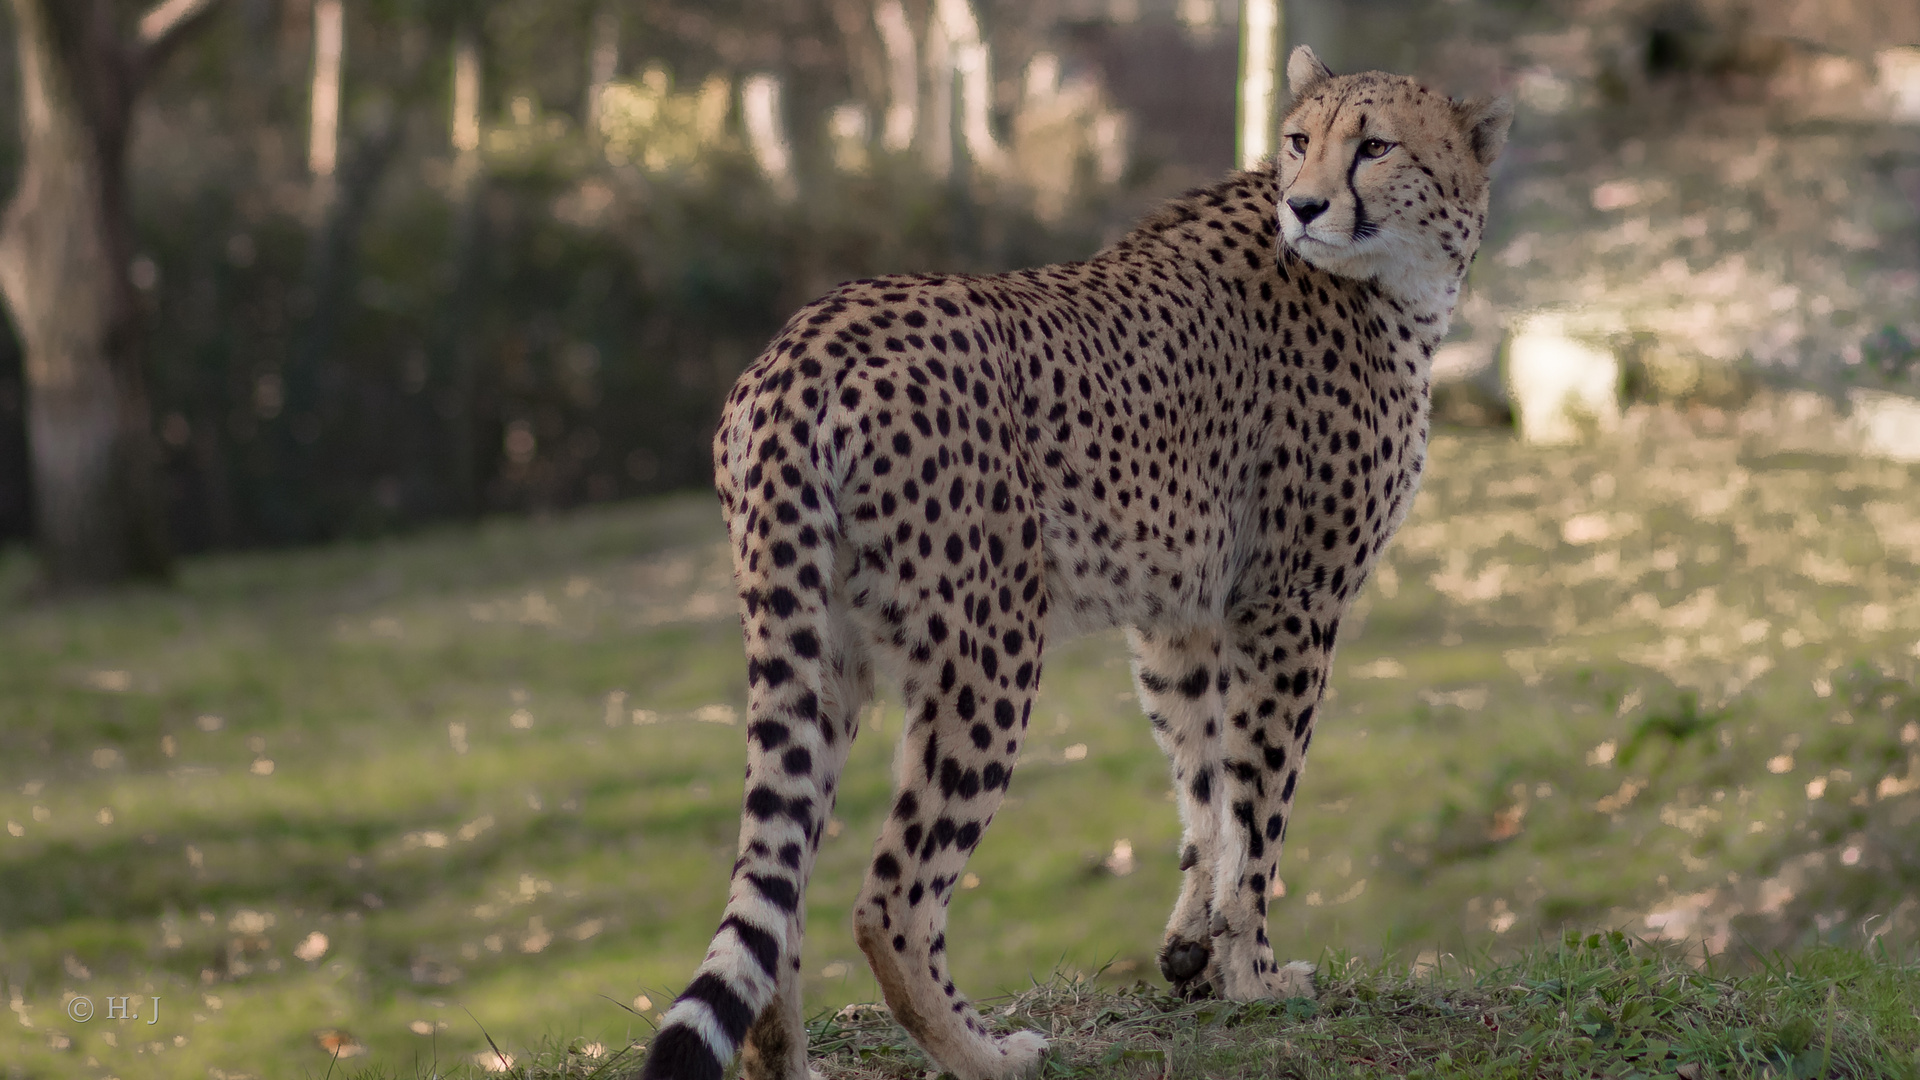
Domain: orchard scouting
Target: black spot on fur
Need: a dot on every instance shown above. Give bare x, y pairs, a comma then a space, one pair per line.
1195, 683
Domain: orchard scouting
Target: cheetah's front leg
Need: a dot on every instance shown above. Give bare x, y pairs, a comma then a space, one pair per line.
1178, 680
1275, 670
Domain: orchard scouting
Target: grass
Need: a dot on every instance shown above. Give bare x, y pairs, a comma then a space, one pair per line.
1664, 684
1597, 1005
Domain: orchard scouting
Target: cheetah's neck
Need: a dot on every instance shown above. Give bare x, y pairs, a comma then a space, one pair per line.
1422, 286
1425, 292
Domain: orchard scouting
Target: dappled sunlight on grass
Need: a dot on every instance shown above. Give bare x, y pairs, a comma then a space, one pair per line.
357, 793
1592, 1005
1674, 616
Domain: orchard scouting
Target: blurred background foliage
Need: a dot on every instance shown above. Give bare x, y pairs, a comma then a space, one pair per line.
550, 319
1724, 189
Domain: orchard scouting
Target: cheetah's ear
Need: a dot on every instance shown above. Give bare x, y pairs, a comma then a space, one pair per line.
1304, 72
1485, 122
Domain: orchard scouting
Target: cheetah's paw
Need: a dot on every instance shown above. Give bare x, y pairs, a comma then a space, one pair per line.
1184, 965
1022, 1053
1291, 980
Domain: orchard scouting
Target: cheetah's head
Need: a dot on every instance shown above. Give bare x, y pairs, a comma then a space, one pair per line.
1382, 178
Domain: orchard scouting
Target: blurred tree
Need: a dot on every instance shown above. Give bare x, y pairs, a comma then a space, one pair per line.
504, 296
66, 265
457, 340
16, 515
1261, 42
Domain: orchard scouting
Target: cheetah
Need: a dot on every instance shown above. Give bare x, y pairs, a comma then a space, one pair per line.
1206, 433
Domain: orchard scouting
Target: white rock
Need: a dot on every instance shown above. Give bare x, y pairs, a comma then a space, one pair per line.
1899, 81
1562, 388
1886, 425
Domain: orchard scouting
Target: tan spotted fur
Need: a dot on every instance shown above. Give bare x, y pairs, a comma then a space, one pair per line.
1206, 434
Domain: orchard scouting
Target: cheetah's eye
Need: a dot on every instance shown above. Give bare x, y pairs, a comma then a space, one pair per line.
1298, 142
1374, 148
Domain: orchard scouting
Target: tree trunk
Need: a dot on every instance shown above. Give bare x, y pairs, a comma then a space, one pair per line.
460, 405
65, 246
16, 513
1260, 66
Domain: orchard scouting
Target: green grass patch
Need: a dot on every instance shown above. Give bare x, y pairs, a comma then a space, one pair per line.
1597, 1005
384, 796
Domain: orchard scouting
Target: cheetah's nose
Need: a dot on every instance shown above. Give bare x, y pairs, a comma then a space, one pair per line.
1306, 207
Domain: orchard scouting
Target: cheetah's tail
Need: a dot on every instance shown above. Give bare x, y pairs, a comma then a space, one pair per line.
802, 696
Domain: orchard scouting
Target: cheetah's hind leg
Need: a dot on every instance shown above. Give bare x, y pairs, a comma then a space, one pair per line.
970, 666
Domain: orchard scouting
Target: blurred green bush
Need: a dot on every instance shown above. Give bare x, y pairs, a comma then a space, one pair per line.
567, 337
551, 319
